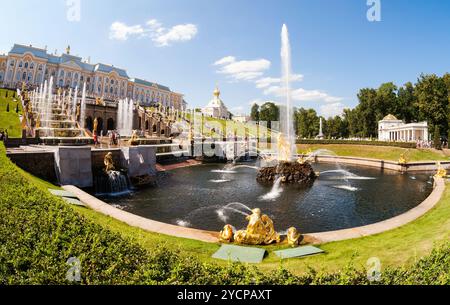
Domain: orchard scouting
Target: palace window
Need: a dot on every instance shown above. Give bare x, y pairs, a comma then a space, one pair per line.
26, 65
32, 66
61, 73
13, 62
69, 74
1, 76
24, 76
20, 64
40, 68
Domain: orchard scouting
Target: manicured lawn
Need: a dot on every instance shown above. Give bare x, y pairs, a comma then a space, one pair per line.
378, 152
10, 120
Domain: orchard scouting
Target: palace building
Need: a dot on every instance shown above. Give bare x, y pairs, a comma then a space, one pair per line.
392, 129
33, 66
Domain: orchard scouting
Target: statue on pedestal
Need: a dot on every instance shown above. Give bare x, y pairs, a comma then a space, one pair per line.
293, 237
441, 172
108, 162
260, 230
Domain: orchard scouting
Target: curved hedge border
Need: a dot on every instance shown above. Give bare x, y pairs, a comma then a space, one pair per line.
39, 233
354, 142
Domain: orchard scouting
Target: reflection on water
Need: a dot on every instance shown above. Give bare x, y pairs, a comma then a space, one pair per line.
206, 197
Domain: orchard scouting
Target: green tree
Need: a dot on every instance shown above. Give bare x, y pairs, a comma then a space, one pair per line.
269, 113
432, 101
306, 123
386, 102
437, 138
368, 112
407, 103
254, 114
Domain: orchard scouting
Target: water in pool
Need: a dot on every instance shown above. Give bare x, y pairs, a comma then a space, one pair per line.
209, 196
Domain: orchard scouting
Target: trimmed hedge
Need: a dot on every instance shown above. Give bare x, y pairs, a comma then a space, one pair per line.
355, 142
40, 232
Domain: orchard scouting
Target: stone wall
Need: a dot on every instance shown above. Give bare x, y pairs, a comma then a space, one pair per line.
74, 166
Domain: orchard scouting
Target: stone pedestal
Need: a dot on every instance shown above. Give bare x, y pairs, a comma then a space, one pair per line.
139, 160
73, 166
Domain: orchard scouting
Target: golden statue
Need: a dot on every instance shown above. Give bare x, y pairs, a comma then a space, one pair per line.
301, 160
134, 138
402, 159
441, 172
284, 148
109, 163
94, 131
38, 121
293, 237
260, 230
226, 235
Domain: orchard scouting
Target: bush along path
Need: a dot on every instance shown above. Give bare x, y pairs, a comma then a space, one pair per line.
44, 241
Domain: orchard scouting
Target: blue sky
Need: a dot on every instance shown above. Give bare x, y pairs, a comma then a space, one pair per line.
335, 49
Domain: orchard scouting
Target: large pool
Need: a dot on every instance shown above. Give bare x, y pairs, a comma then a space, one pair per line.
208, 197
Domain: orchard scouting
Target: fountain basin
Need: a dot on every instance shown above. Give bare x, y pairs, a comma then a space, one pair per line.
200, 197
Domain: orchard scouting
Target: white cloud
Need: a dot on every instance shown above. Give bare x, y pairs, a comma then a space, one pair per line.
178, 33
120, 31
242, 70
331, 110
303, 95
268, 81
153, 29
225, 60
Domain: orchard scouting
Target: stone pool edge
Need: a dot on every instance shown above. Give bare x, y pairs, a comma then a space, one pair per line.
139, 221
212, 237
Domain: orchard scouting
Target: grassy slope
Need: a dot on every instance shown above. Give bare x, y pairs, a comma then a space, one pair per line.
378, 152
10, 120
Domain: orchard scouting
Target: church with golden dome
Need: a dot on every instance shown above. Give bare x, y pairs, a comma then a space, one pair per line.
216, 107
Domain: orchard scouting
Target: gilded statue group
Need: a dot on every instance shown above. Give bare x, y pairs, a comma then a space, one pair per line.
260, 231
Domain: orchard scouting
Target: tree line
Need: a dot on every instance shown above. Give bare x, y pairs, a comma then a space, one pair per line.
426, 100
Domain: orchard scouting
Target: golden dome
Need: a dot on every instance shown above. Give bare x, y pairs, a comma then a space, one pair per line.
390, 117
216, 92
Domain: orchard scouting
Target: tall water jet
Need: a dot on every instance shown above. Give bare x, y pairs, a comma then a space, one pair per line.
74, 104
83, 107
287, 147
287, 170
125, 109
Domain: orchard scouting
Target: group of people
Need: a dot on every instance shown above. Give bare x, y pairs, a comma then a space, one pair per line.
430, 144
4, 135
